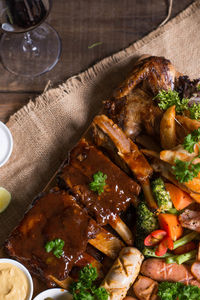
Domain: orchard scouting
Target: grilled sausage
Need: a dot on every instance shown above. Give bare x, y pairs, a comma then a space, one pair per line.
123, 273
145, 288
159, 270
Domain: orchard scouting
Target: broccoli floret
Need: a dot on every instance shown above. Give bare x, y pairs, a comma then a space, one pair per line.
146, 220
161, 195
145, 224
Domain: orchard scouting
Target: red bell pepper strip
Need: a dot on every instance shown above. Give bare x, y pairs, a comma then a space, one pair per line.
165, 244
155, 237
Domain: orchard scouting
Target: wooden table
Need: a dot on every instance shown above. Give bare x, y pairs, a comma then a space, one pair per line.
80, 23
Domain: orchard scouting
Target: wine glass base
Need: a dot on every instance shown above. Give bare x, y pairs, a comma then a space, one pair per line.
32, 57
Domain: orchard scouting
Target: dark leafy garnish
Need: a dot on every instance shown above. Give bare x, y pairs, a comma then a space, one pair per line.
98, 183
56, 246
191, 140
186, 87
84, 288
185, 171
178, 291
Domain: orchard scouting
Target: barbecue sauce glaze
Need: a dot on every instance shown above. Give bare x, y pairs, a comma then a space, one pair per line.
54, 215
86, 160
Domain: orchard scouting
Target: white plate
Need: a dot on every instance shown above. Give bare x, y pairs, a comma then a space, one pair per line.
22, 268
6, 144
55, 294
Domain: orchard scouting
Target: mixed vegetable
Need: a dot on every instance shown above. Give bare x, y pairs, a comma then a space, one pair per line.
164, 234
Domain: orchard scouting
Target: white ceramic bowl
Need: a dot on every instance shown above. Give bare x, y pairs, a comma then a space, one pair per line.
6, 142
26, 272
55, 294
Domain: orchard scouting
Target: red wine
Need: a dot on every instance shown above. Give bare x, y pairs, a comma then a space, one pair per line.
22, 15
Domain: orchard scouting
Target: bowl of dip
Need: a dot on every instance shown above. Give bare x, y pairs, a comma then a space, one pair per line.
15, 281
54, 294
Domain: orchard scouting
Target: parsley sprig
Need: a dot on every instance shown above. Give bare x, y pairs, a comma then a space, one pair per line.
191, 140
195, 111
84, 288
56, 246
98, 183
185, 171
177, 290
168, 98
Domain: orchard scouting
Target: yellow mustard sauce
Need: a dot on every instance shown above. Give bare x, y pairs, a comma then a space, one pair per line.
13, 283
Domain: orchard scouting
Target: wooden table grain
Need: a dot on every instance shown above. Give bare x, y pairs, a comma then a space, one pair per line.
80, 23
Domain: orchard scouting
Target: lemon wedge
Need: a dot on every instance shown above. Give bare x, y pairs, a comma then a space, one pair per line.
5, 198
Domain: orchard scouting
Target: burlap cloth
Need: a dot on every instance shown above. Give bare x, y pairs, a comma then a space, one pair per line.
46, 128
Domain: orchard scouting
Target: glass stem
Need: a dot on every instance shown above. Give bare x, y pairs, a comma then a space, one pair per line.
28, 45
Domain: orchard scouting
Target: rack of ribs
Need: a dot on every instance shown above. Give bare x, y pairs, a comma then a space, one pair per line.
57, 215
84, 161
68, 214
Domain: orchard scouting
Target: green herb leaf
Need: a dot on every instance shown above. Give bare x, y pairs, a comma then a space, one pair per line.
98, 183
56, 246
185, 171
177, 290
95, 44
49, 246
168, 98
195, 111
191, 140
84, 289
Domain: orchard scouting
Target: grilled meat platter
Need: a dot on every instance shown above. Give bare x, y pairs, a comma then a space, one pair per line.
126, 202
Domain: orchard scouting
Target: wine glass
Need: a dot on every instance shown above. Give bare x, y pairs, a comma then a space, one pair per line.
27, 47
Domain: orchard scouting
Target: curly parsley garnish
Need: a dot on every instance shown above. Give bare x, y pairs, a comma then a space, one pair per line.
191, 140
85, 289
195, 111
98, 183
56, 246
169, 98
177, 290
185, 171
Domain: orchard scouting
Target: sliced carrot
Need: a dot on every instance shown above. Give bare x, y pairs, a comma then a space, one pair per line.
171, 225
179, 198
185, 248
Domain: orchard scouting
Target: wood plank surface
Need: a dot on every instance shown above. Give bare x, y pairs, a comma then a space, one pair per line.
81, 23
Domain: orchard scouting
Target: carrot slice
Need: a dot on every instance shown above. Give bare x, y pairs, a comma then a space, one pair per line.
179, 198
185, 248
171, 225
